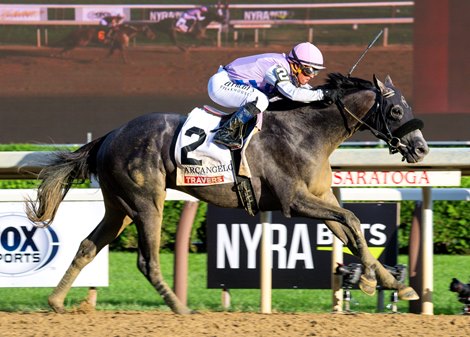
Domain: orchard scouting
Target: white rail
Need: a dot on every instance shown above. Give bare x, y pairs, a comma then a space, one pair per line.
24, 164
40, 18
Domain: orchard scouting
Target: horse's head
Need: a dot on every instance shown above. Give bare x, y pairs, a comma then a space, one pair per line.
217, 13
397, 123
390, 118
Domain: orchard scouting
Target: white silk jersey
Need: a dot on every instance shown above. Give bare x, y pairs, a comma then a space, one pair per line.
271, 74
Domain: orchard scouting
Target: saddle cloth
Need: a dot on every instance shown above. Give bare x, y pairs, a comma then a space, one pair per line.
200, 162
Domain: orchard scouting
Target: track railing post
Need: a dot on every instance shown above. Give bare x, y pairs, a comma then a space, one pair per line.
266, 263
336, 258
427, 306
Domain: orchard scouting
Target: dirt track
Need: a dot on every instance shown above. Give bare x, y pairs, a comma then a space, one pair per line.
164, 324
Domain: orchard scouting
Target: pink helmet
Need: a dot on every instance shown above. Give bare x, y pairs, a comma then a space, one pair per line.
204, 9
307, 54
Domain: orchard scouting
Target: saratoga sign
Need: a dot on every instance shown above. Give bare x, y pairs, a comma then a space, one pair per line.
396, 178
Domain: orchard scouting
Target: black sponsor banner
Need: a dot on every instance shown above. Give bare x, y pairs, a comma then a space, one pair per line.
301, 247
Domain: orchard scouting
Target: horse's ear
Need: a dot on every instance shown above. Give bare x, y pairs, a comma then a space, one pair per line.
388, 81
379, 85
386, 91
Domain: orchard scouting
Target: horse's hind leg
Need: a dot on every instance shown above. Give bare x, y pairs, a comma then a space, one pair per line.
149, 224
65, 51
107, 230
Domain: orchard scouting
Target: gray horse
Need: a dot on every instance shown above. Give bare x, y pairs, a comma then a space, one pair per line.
288, 160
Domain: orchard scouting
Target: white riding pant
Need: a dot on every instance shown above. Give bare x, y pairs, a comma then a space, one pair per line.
231, 95
181, 25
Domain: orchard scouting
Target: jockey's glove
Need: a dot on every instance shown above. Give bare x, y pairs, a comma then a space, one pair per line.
331, 96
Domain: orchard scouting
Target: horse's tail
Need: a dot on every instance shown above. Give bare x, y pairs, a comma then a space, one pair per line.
57, 178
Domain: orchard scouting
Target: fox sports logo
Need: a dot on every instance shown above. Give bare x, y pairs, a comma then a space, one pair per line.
25, 248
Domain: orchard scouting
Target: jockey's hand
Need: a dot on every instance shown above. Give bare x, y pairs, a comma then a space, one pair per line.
331, 96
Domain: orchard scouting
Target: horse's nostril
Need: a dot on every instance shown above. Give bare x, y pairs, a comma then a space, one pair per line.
421, 150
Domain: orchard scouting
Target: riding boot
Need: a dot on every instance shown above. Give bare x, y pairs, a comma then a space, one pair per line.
230, 133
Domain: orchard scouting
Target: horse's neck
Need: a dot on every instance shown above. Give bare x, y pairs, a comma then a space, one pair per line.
316, 128
129, 30
323, 127
204, 23
209, 18
355, 108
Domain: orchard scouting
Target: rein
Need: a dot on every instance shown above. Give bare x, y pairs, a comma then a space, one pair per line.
392, 139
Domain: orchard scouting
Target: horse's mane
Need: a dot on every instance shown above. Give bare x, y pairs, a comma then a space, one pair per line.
347, 85
334, 81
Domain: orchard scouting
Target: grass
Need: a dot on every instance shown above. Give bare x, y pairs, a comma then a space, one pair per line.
129, 290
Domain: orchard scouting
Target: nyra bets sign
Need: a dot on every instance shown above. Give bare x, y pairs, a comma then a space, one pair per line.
301, 247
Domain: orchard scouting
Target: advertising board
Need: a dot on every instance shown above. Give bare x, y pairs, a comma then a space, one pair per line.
38, 257
301, 247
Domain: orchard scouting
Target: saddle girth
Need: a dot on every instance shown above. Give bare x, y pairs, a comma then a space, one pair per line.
243, 187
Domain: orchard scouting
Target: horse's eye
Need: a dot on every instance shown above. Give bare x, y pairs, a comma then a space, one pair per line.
396, 112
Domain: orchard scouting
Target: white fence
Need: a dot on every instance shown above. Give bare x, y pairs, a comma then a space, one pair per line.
256, 16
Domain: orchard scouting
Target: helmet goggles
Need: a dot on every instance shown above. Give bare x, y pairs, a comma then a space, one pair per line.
307, 70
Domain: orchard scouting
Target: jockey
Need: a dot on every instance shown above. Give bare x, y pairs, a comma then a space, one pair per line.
249, 82
193, 14
112, 23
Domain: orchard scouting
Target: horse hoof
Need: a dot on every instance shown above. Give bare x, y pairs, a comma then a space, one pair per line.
58, 309
56, 306
182, 310
408, 294
185, 312
367, 286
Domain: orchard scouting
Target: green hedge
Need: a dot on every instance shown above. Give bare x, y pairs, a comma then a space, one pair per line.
451, 225
128, 239
451, 219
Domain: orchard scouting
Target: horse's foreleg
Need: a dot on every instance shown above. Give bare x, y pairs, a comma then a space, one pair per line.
346, 226
149, 224
173, 37
368, 282
107, 230
108, 54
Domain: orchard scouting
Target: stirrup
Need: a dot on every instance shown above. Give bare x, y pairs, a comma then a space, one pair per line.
227, 139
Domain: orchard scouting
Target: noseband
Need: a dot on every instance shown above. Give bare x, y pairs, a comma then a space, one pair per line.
393, 140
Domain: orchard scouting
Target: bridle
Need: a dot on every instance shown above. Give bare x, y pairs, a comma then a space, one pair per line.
393, 140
